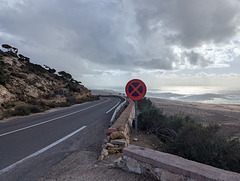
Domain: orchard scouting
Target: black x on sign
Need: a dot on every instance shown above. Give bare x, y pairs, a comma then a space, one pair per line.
135, 89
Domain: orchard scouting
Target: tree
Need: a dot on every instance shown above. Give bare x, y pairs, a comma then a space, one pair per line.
15, 50
65, 75
50, 70
10, 50
23, 58
8, 47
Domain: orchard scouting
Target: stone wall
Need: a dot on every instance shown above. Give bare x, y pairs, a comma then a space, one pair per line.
118, 135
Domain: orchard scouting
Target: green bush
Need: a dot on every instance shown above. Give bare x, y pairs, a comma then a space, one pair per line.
165, 127
71, 99
26, 110
144, 104
35, 109
187, 138
73, 87
150, 119
3, 77
42, 106
201, 144
21, 111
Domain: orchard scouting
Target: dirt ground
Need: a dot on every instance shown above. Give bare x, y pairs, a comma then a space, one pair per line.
146, 140
84, 166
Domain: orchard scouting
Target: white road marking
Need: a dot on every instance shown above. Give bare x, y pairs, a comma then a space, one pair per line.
40, 151
44, 122
112, 108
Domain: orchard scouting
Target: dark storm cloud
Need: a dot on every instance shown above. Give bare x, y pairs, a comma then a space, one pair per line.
191, 22
118, 33
196, 59
206, 21
159, 63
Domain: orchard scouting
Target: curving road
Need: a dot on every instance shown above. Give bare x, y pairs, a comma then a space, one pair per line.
30, 146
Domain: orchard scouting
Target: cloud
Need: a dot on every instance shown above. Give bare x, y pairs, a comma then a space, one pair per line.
88, 37
157, 63
203, 21
193, 19
196, 59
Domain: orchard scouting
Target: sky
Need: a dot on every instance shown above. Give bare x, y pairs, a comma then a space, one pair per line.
105, 43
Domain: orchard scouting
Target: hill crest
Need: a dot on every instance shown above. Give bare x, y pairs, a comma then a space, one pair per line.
25, 83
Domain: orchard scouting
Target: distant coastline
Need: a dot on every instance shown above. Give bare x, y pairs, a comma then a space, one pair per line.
207, 94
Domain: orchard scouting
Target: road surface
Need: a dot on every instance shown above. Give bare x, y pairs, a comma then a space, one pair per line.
30, 146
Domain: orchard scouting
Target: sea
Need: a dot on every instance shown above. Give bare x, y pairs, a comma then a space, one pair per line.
202, 94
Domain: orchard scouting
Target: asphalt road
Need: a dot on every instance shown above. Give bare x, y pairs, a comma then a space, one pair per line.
30, 146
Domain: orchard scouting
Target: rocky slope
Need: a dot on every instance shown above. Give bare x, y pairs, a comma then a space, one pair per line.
25, 83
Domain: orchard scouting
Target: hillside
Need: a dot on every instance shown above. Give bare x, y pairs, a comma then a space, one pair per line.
23, 83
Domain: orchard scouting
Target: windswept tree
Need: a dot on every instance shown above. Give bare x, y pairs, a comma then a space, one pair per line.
12, 50
23, 58
15, 50
20, 56
77, 82
65, 75
6, 46
49, 69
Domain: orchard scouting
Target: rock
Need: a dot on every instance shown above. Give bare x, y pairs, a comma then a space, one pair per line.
101, 157
133, 165
118, 162
121, 129
158, 173
104, 152
110, 130
112, 151
118, 149
115, 150
110, 145
135, 139
117, 135
5, 95
119, 142
127, 141
111, 165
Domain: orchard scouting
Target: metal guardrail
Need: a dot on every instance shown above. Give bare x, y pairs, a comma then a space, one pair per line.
116, 111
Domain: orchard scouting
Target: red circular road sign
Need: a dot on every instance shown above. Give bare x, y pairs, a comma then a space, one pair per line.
135, 89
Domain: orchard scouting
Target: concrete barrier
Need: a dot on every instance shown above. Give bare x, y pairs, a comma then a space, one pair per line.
164, 166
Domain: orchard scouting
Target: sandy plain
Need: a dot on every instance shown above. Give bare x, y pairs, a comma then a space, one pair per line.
226, 115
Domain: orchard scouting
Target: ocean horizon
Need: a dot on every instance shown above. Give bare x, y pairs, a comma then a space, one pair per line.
202, 94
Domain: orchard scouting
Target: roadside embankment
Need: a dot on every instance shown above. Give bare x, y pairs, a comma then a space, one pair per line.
161, 166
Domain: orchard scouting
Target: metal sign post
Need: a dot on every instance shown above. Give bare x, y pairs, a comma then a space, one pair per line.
136, 121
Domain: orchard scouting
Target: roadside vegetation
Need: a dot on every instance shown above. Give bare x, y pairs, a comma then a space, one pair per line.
187, 138
3, 76
37, 107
